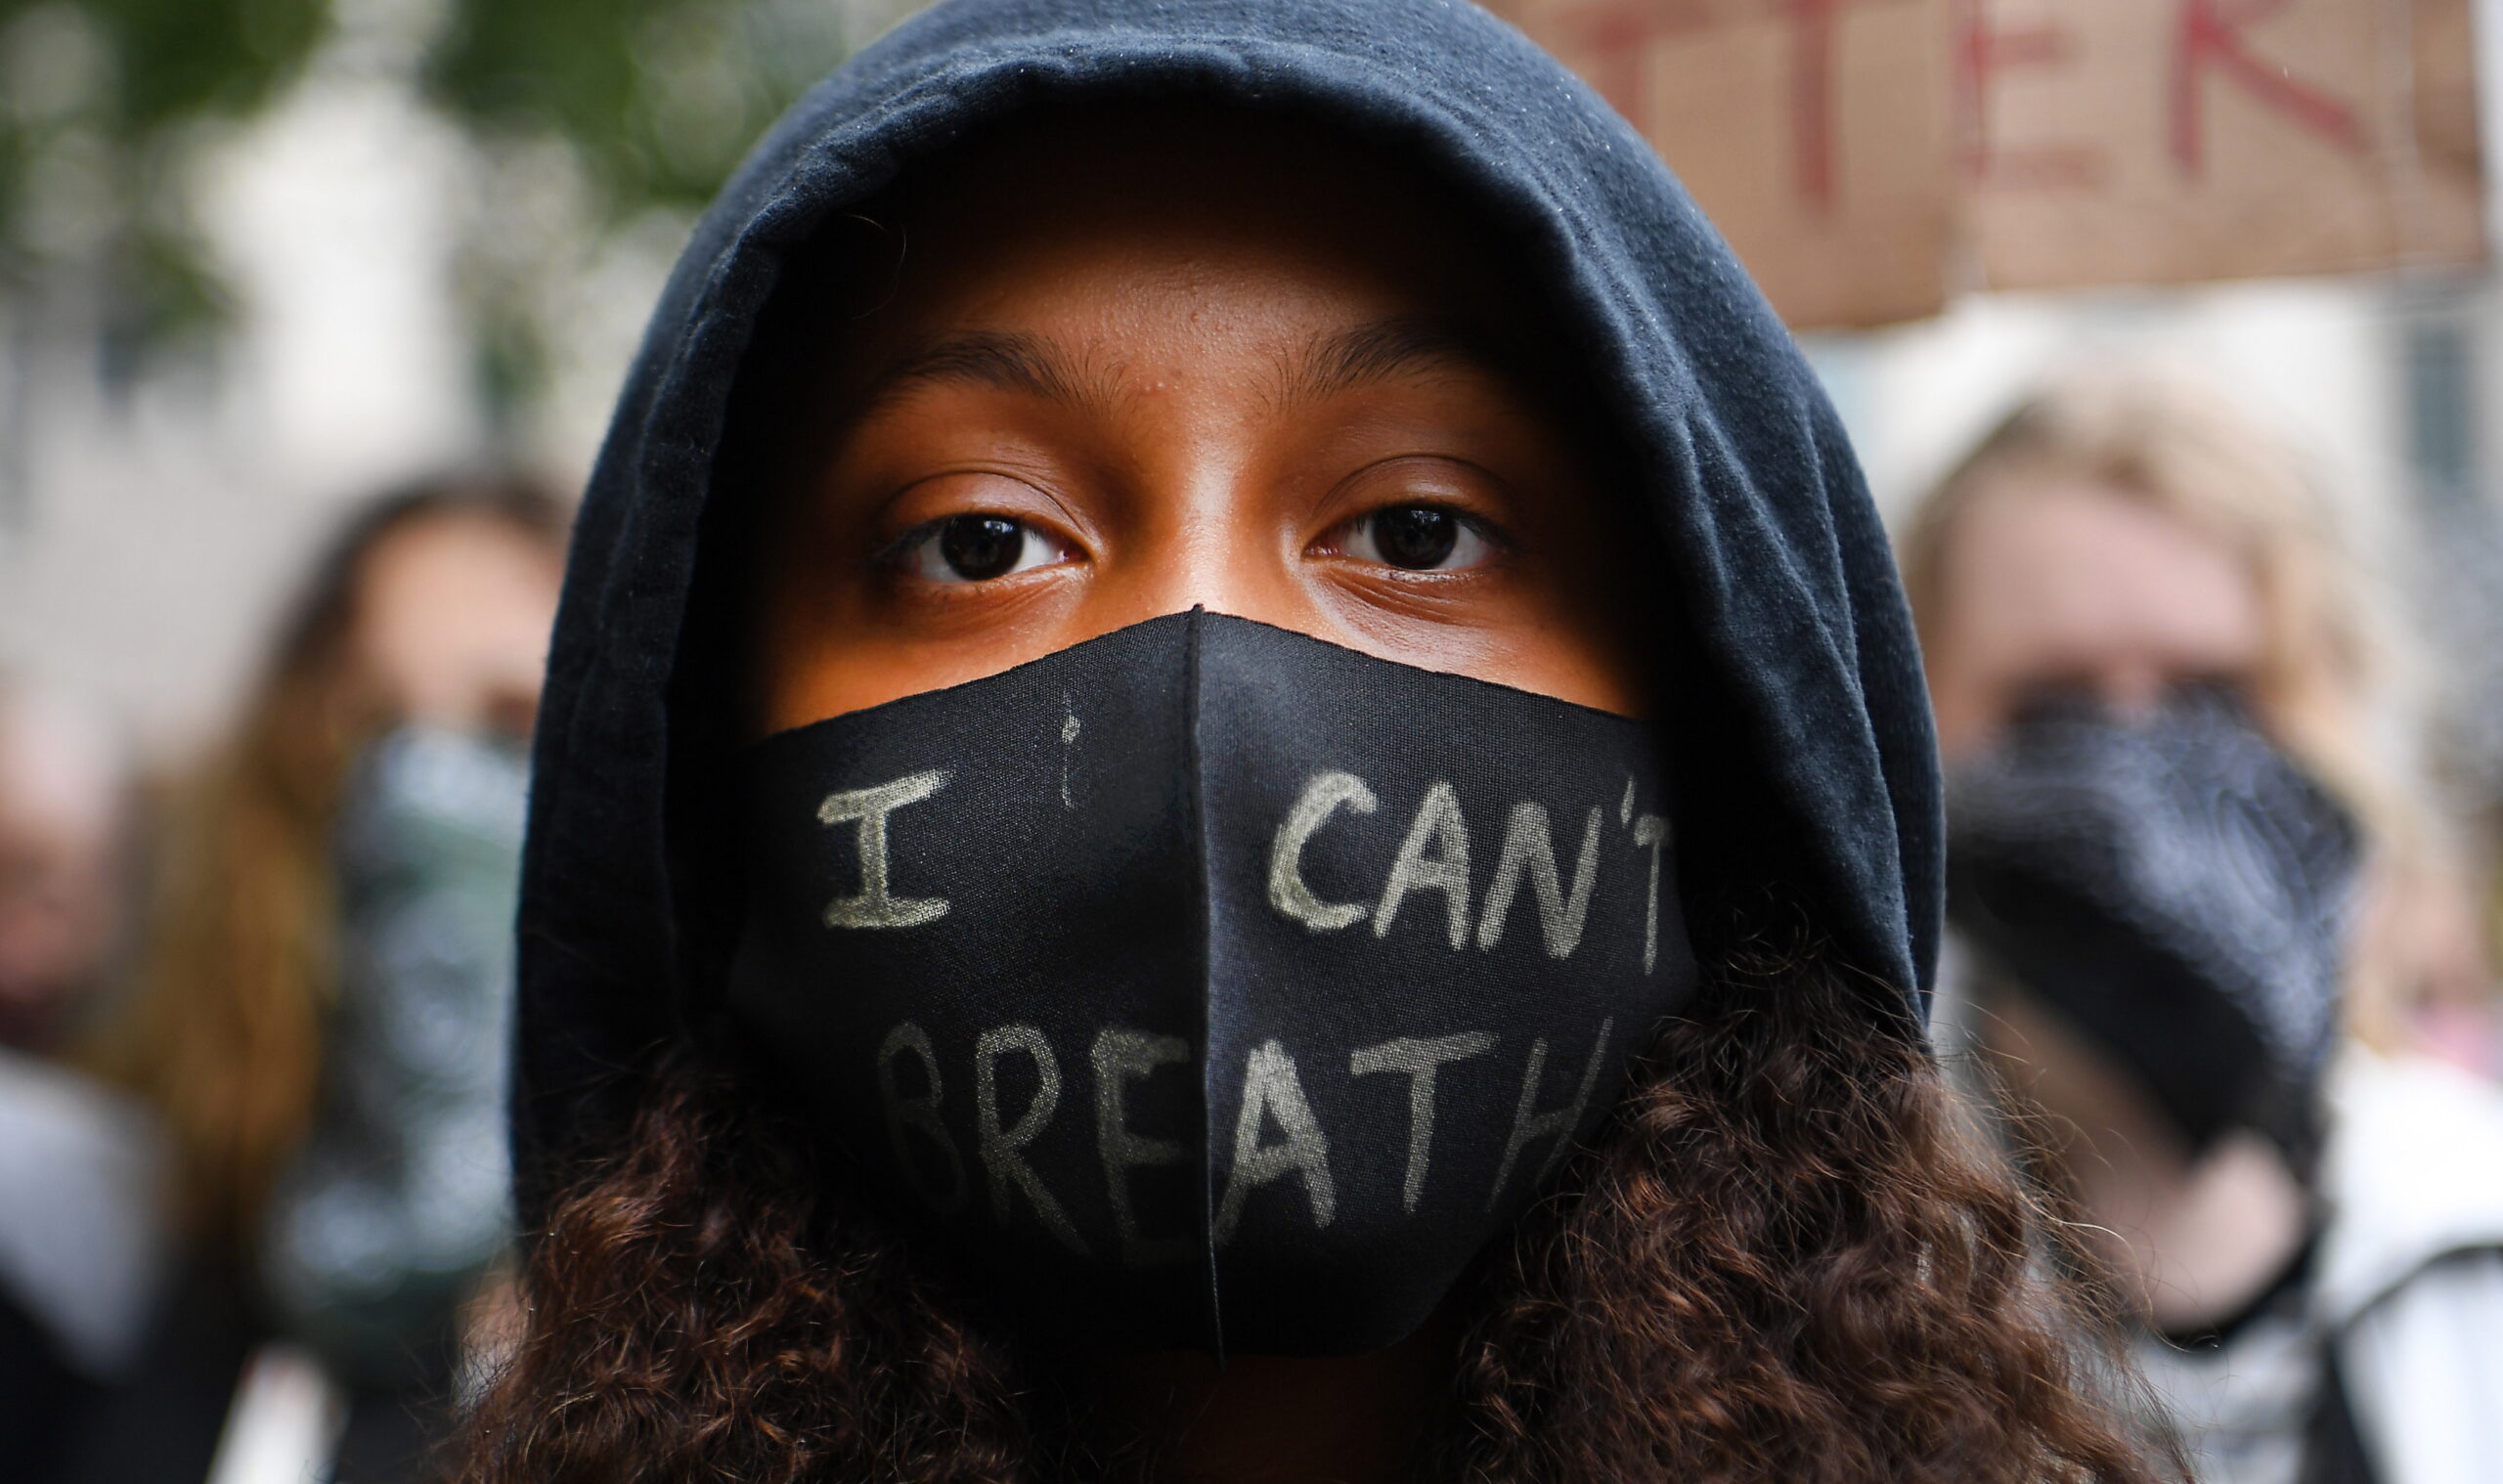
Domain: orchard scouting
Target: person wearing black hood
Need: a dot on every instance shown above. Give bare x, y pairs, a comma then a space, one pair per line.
1234, 787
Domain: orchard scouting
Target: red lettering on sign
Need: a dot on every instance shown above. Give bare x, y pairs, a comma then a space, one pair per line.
1606, 42
2210, 36
1812, 97
1608, 39
1983, 50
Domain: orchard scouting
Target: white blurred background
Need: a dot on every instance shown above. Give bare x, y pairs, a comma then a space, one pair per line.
403, 278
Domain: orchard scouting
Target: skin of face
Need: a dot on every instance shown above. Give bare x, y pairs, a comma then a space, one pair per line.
60, 876
2068, 584
2052, 586
1203, 363
2191, 1238
1193, 366
453, 614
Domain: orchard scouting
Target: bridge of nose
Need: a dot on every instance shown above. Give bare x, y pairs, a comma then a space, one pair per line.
1208, 532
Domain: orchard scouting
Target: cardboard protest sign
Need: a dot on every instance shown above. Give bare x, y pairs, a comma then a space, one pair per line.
2147, 141
1814, 133
1867, 157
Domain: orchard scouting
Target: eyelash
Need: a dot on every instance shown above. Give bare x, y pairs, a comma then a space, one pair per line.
1472, 535
920, 553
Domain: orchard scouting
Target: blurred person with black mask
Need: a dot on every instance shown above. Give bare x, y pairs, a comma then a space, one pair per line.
2152, 676
323, 996
81, 1225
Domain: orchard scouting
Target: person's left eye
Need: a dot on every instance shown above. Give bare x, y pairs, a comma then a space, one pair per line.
976, 548
1418, 537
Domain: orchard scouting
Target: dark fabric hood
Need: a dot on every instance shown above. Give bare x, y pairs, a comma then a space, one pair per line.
1823, 783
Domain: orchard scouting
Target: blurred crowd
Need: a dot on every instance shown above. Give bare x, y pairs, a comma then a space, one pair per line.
253, 1189
2219, 974
2221, 971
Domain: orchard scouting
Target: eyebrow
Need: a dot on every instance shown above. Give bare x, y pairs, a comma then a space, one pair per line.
1002, 360
1329, 365
1384, 351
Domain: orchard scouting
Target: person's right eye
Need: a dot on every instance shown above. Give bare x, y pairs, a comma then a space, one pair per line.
1419, 538
975, 548
2055, 698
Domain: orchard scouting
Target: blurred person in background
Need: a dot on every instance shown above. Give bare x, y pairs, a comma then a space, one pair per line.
2178, 845
2129, 533
82, 1235
325, 993
65, 809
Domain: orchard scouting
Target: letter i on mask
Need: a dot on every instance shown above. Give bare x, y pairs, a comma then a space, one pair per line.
1206, 984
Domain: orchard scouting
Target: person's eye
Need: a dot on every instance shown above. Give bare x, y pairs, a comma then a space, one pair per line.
1418, 538
975, 548
2055, 698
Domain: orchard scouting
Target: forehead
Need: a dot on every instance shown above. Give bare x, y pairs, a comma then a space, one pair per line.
2051, 567
1104, 217
58, 769
1105, 172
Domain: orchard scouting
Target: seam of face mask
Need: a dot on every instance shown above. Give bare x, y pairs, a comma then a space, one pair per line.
1195, 799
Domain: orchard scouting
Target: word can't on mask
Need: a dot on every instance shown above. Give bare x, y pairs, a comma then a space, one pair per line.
1207, 985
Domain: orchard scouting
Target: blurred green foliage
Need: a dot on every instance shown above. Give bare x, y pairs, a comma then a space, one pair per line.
176, 61
660, 98
655, 101
94, 97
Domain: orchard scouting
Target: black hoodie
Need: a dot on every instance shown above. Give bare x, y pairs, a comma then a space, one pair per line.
1805, 717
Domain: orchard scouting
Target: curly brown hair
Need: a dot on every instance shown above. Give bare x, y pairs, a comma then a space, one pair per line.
1783, 1257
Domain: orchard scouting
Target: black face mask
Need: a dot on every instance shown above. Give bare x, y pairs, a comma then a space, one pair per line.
1205, 985
2177, 889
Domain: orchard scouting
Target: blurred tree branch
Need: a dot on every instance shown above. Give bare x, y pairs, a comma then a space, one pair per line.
102, 102
96, 99
656, 101
661, 98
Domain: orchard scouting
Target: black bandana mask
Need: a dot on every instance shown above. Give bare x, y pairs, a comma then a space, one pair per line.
1207, 985
2177, 889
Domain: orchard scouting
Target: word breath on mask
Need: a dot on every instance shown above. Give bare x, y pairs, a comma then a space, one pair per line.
1434, 857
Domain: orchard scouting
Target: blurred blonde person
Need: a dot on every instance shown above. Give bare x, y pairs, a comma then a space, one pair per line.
2130, 530
324, 982
2123, 544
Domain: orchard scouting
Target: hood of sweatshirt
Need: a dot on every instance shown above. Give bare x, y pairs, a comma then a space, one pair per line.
1817, 768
